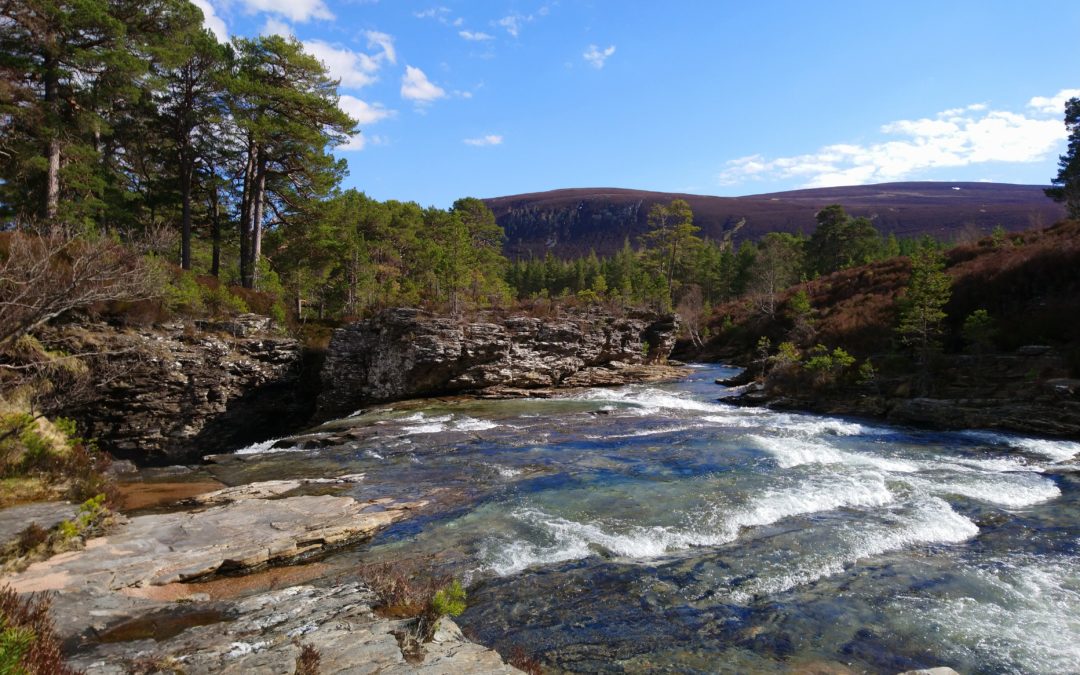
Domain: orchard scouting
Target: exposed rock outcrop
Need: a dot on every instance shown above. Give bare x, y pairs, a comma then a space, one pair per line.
176, 392
404, 353
112, 603
264, 633
1022, 392
175, 547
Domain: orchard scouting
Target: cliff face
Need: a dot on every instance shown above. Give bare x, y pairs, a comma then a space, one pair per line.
403, 353
174, 393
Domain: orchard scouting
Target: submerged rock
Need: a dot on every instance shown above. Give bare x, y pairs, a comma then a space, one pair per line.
404, 353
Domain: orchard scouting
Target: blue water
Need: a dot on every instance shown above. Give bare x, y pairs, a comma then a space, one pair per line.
655, 527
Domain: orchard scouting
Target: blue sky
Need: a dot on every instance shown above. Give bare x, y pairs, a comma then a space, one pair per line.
501, 97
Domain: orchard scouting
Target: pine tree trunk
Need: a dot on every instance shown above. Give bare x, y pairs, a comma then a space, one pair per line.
256, 225
245, 215
215, 234
185, 219
50, 207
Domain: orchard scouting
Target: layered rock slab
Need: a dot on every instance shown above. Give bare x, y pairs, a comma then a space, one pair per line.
265, 637
407, 353
166, 548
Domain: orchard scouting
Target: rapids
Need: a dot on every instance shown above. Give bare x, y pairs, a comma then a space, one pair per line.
657, 527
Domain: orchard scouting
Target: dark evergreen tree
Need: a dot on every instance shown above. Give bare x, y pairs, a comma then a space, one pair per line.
1066, 186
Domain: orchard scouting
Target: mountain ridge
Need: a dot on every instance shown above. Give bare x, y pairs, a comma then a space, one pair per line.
572, 221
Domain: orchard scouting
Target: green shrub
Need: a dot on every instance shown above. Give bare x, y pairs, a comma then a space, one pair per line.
219, 301
449, 601
183, 295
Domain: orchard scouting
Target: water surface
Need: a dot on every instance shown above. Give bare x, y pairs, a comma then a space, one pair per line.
656, 527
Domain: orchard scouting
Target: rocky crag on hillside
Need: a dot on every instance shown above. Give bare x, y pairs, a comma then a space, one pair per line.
403, 353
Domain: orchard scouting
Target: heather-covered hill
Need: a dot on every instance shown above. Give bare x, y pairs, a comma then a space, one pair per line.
1022, 374
571, 222
1029, 282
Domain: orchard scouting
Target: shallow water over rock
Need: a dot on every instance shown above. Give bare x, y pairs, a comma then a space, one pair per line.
656, 527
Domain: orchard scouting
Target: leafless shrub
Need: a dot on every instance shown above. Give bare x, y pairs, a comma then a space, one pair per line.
307, 661
30, 642
44, 276
522, 660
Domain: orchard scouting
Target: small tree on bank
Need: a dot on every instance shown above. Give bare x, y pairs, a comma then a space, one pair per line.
922, 306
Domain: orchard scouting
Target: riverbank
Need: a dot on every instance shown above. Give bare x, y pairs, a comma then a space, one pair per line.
1024, 392
197, 587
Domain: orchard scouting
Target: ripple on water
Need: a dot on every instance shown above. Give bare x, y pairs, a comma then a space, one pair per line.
1021, 614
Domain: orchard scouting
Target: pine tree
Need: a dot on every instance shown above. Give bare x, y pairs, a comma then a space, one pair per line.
1066, 186
922, 310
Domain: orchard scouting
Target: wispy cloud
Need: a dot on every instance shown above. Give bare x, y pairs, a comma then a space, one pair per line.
212, 21
354, 69
365, 114
514, 22
415, 86
275, 26
1055, 104
475, 37
432, 13
481, 141
441, 14
952, 138
299, 11
384, 42
596, 57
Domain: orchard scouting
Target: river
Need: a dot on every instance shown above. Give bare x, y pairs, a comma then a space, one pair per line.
655, 527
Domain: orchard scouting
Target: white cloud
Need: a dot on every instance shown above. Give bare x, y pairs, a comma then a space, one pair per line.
595, 57
475, 37
354, 69
364, 112
212, 21
294, 10
512, 23
275, 26
432, 13
952, 138
490, 139
356, 143
416, 86
384, 42
1053, 104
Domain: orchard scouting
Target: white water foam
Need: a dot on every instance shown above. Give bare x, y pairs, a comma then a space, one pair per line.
790, 452
927, 521
265, 446
644, 432
825, 492
1058, 451
1023, 619
571, 540
649, 400
504, 471
471, 424
1015, 490
993, 465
